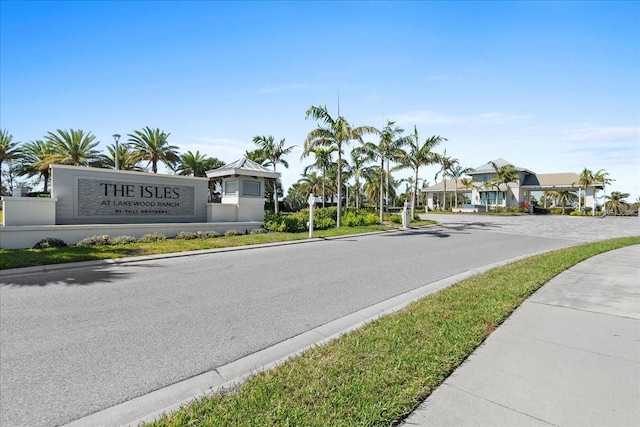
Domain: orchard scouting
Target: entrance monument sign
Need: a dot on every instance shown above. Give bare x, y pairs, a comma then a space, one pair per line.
92, 201
90, 196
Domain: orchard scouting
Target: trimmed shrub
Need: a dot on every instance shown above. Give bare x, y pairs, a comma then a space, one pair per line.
396, 219
323, 223
102, 240
152, 237
186, 235
576, 213
229, 233
352, 219
122, 240
371, 219
287, 223
259, 231
208, 234
50, 242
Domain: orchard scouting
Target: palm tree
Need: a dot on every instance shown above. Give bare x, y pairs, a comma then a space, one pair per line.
456, 173
9, 150
504, 175
310, 183
373, 182
193, 164
446, 164
324, 161
211, 163
332, 133
273, 153
563, 197
585, 179
388, 148
126, 158
35, 160
602, 177
256, 155
153, 145
297, 197
373, 185
615, 202
74, 147
419, 155
358, 169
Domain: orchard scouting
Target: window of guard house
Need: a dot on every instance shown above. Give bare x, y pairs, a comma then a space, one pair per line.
251, 188
230, 187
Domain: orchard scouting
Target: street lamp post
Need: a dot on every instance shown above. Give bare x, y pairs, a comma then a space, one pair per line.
116, 138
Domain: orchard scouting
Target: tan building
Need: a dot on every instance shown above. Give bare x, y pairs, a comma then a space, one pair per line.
484, 195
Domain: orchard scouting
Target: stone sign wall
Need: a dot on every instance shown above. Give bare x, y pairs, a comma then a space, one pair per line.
92, 196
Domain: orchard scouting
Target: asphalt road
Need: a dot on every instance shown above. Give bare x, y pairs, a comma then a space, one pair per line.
75, 341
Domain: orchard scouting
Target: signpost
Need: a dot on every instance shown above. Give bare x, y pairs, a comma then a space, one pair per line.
312, 204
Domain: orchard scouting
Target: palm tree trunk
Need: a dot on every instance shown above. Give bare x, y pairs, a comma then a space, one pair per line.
339, 215
456, 189
45, 176
275, 190
381, 190
324, 197
413, 197
444, 193
387, 188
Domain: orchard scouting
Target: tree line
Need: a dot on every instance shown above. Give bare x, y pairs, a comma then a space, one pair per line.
364, 173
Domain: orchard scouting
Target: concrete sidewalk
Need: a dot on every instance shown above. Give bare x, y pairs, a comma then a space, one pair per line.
569, 356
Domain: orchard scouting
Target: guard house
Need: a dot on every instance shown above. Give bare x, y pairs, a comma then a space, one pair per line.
242, 187
484, 195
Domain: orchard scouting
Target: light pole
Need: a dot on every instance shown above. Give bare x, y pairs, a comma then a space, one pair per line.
116, 138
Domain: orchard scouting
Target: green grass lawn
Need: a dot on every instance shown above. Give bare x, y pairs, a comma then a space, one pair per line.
377, 375
14, 258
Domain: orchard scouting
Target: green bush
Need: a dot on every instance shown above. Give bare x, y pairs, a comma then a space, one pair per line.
371, 219
396, 219
232, 232
286, 223
259, 231
152, 237
556, 211
122, 240
576, 213
352, 219
102, 240
323, 223
50, 242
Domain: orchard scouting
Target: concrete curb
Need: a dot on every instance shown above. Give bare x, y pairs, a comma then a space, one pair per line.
39, 269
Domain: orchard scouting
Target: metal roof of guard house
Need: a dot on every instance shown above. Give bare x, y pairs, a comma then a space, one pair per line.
244, 167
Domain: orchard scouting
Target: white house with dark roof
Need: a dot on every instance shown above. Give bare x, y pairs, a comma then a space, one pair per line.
485, 195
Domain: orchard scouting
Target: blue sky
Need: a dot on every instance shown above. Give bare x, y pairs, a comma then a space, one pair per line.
549, 86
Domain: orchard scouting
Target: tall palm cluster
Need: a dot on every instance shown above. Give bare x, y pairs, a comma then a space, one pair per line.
144, 149
369, 163
361, 176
